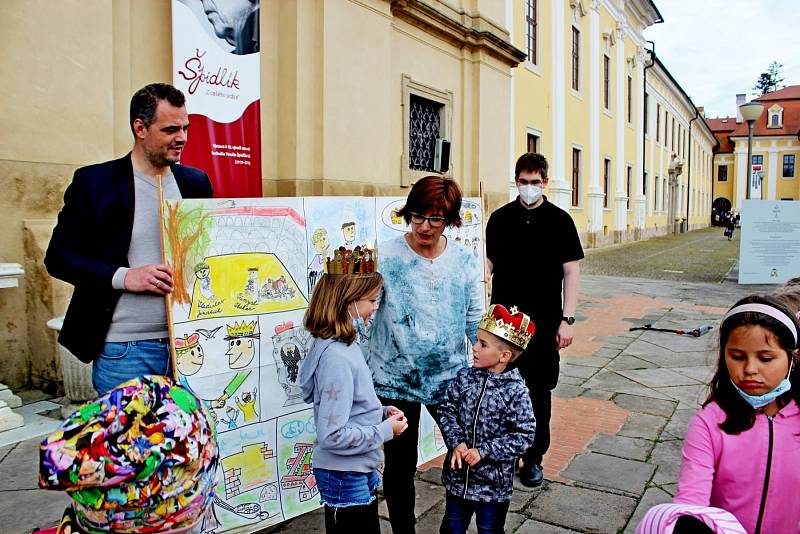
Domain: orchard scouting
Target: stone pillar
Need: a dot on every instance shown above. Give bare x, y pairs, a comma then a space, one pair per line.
674, 214
559, 188
620, 195
595, 219
9, 277
639, 207
741, 175
772, 177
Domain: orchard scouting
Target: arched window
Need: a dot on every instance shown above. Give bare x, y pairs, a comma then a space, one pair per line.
775, 117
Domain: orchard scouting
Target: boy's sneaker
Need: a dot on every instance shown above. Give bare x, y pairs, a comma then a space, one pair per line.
531, 475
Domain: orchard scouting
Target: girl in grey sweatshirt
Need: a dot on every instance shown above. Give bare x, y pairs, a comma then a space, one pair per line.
352, 425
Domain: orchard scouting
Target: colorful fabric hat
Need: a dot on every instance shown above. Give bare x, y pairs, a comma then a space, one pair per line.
141, 458
509, 325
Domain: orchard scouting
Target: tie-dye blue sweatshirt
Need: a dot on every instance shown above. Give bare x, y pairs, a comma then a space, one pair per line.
428, 309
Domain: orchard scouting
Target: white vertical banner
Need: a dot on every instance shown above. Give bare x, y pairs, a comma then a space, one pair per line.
216, 63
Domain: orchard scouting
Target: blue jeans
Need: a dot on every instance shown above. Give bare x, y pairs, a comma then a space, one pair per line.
349, 499
121, 361
346, 488
490, 517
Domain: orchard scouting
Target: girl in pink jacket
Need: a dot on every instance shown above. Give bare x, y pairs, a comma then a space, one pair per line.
741, 453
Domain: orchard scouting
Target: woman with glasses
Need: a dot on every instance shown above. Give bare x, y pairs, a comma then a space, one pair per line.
432, 302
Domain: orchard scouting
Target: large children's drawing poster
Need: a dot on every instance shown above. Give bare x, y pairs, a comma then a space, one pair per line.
244, 270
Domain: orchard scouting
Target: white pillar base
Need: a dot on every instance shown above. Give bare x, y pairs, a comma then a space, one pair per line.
8, 419
560, 194
11, 400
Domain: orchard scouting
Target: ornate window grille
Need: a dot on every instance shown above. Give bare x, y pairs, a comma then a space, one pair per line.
424, 129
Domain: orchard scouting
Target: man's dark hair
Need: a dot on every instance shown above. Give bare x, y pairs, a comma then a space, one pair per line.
531, 162
145, 101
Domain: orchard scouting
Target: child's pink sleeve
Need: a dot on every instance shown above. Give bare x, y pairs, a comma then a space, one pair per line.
699, 460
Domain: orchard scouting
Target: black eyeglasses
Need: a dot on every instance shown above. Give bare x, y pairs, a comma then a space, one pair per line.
435, 222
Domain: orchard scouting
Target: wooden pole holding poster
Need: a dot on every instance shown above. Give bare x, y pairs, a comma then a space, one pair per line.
486, 273
167, 296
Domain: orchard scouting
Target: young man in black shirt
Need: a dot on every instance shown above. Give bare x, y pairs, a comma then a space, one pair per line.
532, 236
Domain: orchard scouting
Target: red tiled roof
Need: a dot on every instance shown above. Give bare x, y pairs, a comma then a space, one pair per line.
725, 143
723, 124
787, 93
726, 127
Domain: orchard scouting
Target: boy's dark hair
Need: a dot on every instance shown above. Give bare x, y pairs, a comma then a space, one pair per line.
505, 345
145, 101
740, 415
515, 351
531, 162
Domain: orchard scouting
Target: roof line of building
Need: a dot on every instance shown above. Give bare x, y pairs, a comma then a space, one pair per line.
686, 96
660, 18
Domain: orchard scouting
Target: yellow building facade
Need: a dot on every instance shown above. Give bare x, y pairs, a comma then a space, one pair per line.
580, 98
776, 148
337, 82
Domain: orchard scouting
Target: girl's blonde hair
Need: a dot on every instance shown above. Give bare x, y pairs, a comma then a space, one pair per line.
327, 316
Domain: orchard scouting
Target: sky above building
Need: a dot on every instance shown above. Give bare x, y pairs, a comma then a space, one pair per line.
718, 48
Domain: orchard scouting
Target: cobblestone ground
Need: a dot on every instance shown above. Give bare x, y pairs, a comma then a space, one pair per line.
699, 256
620, 410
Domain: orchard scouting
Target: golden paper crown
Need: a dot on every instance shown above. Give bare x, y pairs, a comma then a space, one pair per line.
346, 261
509, 325
242, 329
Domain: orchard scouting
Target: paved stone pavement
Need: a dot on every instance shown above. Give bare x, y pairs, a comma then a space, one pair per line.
621, 409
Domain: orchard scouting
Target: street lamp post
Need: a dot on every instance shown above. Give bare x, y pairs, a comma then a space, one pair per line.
750, 113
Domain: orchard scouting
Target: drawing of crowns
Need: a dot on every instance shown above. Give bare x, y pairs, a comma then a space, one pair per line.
510, 325
362, 259
242, 329
283, 327
185, 343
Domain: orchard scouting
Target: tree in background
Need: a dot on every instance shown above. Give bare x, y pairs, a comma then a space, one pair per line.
770, 80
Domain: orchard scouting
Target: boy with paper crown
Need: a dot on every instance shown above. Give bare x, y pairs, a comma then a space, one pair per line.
487, 422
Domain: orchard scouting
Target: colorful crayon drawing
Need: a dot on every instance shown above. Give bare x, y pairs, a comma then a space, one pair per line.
299, 472
245, 270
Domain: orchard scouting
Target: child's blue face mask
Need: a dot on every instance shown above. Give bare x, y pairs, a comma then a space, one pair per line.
759, 401
358, 323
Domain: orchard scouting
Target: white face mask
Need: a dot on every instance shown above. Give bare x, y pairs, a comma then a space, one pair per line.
530, 194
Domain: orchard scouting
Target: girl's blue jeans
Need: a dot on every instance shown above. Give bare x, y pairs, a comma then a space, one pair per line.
338, 489
349, 499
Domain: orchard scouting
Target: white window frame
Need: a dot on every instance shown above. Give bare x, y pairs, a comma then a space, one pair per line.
409, 176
